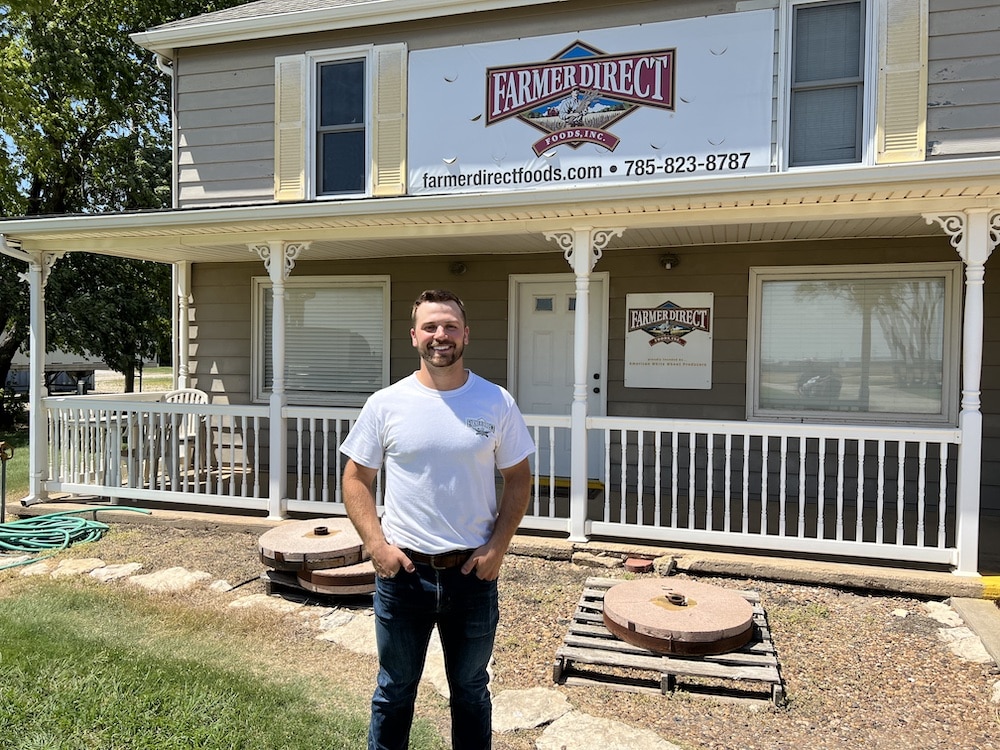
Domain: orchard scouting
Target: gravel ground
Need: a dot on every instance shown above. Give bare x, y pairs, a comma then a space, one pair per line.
857, 674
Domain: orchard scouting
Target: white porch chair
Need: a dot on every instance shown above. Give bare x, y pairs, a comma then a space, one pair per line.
190, 429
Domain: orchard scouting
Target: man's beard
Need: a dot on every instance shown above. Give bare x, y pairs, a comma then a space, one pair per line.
442, 359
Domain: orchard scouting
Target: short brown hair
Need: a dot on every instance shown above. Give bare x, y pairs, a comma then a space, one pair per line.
436, 295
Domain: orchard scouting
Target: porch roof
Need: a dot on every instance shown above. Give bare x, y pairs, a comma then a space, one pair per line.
855, 202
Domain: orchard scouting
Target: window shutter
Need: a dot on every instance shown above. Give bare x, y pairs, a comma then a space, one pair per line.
901, 128
290, 128
389, 126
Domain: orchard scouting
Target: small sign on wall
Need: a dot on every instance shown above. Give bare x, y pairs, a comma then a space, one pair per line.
668, 340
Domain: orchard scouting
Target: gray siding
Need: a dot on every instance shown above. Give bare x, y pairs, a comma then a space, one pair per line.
225, 94
221, 329
225, 121
963, 78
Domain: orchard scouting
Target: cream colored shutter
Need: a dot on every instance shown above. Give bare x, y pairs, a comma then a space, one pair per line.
389, 126
290, 128
901, 115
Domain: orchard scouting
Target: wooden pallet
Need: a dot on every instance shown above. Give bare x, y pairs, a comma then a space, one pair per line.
748, 674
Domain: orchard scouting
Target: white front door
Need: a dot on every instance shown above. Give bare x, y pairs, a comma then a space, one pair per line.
543, 314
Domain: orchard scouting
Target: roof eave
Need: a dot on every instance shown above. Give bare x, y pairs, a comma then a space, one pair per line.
163, 41
832, 180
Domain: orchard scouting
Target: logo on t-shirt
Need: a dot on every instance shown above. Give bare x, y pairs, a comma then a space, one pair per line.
480, 426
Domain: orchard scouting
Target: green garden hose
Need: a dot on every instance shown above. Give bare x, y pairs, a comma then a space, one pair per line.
54, 531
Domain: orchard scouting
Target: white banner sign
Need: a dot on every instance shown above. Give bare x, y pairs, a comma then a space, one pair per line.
668, 340
657, 101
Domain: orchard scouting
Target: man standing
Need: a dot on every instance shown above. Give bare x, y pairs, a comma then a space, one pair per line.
442, 433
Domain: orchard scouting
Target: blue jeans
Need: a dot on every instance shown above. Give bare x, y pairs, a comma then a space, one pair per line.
465, 610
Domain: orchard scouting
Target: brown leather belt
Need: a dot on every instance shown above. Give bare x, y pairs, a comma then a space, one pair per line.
442, 561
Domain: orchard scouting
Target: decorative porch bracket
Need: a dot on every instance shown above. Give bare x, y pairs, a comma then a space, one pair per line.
974, 233
37, 276
279, 260
582, 247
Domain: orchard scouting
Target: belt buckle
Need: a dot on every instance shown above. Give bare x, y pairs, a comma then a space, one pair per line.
435, 565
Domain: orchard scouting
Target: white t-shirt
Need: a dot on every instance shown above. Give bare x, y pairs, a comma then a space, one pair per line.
441, 450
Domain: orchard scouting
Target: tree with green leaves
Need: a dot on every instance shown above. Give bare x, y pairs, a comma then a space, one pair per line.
85, 128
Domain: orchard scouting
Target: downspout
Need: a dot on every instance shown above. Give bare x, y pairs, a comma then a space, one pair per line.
12, 249
181, 275
166, 66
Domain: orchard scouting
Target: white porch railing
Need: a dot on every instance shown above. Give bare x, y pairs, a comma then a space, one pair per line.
132, 446
874, 492
318, 465
870, 492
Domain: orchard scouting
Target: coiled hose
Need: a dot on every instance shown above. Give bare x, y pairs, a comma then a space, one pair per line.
53, 531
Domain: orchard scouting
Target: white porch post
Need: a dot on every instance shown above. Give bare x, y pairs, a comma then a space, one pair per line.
279, 259
582, 247
37, 277
974, 233
182, 308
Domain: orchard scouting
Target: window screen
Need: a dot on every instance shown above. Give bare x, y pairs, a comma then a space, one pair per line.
827, 86
341, 134
855, 345
335, 338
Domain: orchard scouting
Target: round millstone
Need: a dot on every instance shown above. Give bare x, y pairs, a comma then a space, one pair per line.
316, 544
671, 616
350, 579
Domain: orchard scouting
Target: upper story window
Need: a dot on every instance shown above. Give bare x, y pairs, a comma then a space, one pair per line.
826, 103
341, 127
854, 82
340, 123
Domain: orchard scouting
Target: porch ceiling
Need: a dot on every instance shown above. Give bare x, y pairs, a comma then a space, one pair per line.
835, 204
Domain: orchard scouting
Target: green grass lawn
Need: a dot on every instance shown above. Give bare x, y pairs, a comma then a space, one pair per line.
153, 379
91, 666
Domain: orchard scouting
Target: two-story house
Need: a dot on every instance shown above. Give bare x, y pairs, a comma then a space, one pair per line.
728, 256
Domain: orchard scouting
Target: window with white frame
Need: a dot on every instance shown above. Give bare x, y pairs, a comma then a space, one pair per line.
855, 343
336, 338
341, 132
340, 123
826, 83
854, 76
